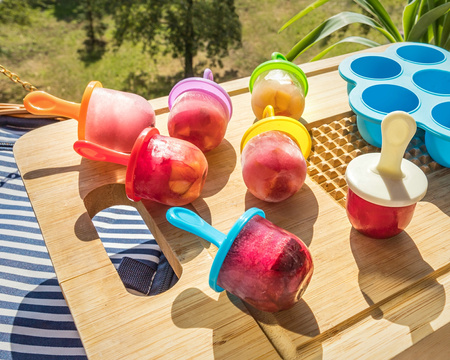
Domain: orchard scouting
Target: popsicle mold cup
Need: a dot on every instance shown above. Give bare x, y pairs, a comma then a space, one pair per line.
383, 188
280, 83
264, 265
160, 168
110, 118
273, 153
200, 110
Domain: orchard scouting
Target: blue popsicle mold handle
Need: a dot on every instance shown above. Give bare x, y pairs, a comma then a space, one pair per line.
189, 221
407, 76
226, 245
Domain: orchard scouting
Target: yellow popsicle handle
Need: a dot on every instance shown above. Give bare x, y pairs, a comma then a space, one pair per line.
42, 103
268, 112
397, 130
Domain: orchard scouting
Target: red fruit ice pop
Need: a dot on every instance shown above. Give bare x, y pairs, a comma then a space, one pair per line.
160, 168
110, 118
200, 111
273, 157
383, 189
264, 265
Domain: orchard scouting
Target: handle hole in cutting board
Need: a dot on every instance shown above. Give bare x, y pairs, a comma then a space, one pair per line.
142, 265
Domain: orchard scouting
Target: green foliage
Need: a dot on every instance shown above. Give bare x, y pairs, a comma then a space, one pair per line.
14, 11
181, 28
422, 21
44, 50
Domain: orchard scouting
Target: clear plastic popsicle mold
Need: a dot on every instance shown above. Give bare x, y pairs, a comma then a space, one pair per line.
200, 111
280, 83
273, 152
383, 188
204, 84
107, 117
270, 122
160, 168
409, 77
257, 261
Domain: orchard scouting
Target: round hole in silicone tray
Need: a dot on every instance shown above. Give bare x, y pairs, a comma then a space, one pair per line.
411, 77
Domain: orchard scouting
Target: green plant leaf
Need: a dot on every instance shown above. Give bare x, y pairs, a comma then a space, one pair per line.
409, 16
423, 8
375, 8
445, 34
350, 39
331, 25
427, 19
434, 33
302, 13
446, 45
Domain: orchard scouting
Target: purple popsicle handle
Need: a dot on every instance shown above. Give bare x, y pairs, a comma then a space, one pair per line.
97, 152
207, 74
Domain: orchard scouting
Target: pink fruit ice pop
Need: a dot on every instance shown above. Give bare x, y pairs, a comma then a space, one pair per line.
264, 265
160, 168
273, 157
383, 189
200, 111
110, 118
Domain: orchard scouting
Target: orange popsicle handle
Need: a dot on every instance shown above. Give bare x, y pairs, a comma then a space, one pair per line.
42, 103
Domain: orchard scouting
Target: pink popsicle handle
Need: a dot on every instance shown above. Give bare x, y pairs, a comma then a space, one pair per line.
97, 152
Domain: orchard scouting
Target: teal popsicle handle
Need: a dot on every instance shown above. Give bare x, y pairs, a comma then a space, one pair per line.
189, 221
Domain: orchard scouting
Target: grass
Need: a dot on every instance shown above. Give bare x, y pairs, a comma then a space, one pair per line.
45, 52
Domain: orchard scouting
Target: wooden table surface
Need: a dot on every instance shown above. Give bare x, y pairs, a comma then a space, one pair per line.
368, 299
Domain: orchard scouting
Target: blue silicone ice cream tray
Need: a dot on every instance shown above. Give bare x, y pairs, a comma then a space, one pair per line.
411, 77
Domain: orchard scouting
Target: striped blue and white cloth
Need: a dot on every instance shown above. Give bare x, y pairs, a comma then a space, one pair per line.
35, 322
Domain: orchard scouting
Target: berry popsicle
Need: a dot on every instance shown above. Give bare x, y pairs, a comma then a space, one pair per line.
273, 152
383, 189
110, 118
279, 83
264, 265
200, 111
160, 168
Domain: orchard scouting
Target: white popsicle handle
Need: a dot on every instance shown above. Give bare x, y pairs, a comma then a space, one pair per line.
397, 130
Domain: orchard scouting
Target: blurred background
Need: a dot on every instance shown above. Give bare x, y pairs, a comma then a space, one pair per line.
145, 46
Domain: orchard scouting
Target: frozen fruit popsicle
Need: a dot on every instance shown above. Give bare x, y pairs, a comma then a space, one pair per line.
279, 83
110, 118
160, 168
383, 189
273, 157
261, 263
200, 111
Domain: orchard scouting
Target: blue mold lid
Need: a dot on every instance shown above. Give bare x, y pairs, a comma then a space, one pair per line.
188, 220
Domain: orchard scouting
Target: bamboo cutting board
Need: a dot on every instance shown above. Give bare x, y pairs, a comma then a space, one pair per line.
367, 299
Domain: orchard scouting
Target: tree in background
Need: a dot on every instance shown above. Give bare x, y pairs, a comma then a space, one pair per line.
94, 45
181, 28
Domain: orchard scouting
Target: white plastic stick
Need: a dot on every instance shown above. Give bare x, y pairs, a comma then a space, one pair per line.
397, 130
